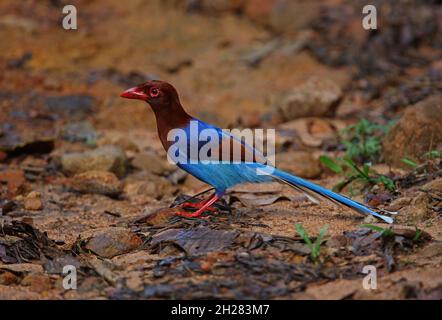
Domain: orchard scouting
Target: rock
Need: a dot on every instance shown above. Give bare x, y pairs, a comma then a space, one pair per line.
24, 138
399, 203
8, 278
134, 258
111, 242
107, 158
300, 163
117, 138
435, 185
14, 179
418, 131
416, 212
79, 131
33, 201
283, 15
421, 207
22, 267
98, 182
290, 16
150, 186
312, 132
151, 162
160, 216
37, 282
76, 107
104, 268
315, 97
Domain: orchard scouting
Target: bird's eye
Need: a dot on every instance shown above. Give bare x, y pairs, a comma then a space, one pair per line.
154, 92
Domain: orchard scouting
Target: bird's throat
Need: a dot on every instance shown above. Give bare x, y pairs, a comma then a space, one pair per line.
169, 118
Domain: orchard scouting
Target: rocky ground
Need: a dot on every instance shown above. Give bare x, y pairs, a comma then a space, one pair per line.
85, 182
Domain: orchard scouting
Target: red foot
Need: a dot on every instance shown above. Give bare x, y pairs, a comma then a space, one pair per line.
198, 205
203, 206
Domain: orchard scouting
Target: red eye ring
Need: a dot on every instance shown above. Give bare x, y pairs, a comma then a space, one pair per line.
154, 92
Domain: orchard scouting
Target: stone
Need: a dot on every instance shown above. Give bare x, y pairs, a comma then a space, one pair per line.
151, 162
14, 180
418, 131
73, 106
111, 242
314, 98
435, 185
283, 16
8, 278
97, 182
33, 201
37, 282
82, 131
147, 185
292, 16
107, 158
299, 163
117, 138
416, 212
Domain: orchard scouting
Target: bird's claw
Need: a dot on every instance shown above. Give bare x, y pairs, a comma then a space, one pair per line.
196, 214
185, 214
197, 206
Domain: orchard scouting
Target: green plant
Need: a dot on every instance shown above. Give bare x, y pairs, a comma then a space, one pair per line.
409, 162
363, 140
315, 247
417, 235
433, 154
385, 232
352, 172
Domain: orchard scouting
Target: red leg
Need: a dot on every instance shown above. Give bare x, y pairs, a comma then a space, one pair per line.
198, 205
203, 208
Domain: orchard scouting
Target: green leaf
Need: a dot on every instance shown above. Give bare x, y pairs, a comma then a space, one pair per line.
433, 154
409, 162
350, 163
304, 235
418, 234
372, 227
317, 245
384, 232
387, 182
332, 165
366, 169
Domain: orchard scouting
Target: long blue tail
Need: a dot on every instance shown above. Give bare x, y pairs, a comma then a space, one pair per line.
303, 184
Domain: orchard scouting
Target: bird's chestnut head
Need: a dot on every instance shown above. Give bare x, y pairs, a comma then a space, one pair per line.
156, 93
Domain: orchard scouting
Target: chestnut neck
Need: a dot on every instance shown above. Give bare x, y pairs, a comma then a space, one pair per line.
168, 117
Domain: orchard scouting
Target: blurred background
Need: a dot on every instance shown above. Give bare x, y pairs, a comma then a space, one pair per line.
232, 61
306, 68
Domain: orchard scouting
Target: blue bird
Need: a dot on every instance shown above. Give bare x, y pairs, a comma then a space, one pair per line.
219, 159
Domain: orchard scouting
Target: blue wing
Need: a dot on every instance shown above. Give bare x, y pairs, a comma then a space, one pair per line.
220, 167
